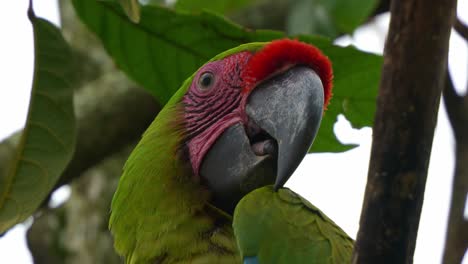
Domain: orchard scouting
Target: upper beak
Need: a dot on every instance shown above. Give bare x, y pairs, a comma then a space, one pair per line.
284, 116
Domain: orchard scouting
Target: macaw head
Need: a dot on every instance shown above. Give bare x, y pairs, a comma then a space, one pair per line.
251, 114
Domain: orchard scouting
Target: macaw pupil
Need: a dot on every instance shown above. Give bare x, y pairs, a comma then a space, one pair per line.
206, 80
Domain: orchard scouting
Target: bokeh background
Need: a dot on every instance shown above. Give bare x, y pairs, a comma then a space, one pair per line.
333, 182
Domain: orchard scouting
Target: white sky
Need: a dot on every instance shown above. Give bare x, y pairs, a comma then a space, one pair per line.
333, 182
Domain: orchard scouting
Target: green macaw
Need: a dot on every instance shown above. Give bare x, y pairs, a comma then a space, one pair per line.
243, 120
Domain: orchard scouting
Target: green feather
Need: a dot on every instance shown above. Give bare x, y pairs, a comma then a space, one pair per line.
282, 227
159, 213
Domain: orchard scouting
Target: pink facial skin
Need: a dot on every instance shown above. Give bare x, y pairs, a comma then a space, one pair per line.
213, 106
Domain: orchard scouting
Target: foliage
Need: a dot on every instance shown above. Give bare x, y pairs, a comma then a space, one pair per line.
329, 18
159, 48
167, 46
47, 143
132, 8
221, 7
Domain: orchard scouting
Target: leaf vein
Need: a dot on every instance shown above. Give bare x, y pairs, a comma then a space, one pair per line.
51, 132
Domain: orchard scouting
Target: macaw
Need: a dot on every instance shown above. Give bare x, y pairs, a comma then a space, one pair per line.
242, 121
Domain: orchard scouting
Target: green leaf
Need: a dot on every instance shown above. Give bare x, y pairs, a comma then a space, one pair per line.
132, 9
47, 143
328, 17
155, 2
310, 17
218, 6
349, 14
168, 46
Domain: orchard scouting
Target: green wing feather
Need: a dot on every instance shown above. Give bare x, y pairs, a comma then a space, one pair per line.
158, 213
282, 227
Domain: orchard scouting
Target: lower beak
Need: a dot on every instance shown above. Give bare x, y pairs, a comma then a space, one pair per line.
284, 116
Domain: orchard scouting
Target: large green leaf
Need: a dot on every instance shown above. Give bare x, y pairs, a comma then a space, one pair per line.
349, 14
310, 17
328, 17
132, 9
168, 46
47, 143
219, 6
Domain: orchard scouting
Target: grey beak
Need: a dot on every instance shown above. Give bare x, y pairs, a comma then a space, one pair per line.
288, 108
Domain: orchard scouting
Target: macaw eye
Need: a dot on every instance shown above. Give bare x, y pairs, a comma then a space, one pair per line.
206, 81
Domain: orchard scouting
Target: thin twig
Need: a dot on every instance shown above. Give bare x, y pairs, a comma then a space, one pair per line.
461, 28
456, 242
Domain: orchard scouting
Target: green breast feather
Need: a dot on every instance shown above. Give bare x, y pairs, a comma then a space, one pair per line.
282, 227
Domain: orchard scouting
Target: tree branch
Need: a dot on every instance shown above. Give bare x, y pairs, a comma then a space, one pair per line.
382, 7
413, 75
111, 113
461, 28
456, 241
77, 231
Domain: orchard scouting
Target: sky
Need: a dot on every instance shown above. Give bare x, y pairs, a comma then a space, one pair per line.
333, 182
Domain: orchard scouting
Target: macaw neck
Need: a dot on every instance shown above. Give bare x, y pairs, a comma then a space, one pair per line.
159, 209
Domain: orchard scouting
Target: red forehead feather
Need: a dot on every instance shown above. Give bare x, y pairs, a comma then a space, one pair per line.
286, 52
